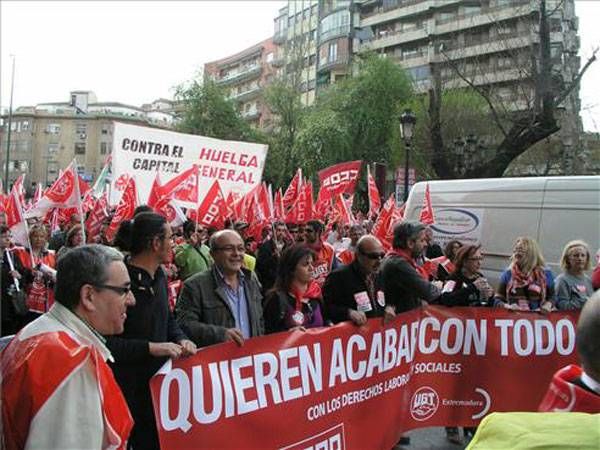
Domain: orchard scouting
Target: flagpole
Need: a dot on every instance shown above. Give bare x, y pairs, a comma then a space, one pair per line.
10, 112
78, 194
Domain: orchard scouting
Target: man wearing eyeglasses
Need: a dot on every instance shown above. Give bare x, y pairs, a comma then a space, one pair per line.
57, 389
351, 292
224, 303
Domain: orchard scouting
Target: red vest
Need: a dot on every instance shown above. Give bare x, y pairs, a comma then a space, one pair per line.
322, 263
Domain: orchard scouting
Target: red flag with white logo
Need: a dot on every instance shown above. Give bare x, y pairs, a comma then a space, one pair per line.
341, 212
374, 198
210, 211
124, 210
301, 210
293, 190
339, 179
155, 192
381, 228
427, 216
64, 193
98, 214
14, 217
184, 186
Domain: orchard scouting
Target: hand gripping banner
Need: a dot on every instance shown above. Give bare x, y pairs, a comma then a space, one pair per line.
348, 387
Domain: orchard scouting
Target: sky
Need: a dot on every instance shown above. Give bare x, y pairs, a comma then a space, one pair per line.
136, 52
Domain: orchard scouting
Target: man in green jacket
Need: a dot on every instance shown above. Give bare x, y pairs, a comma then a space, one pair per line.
193, 256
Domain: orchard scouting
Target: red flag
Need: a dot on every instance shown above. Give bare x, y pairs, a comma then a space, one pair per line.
293, 190
83, 185
14, 217
38, 192
170, 211
64, 193
427, 217
98, 214
340, 178
263, 201
278, 205
301, 210
211, 208
124, 209
374, 198
323, 206
88, 201
381, 228
184, 186
341, 212
155, 192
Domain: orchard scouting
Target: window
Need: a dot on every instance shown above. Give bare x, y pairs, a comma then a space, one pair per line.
52, 149
332, 52
80, 127
270, 57
103, 148
555, 25
79, 148
53, 128
25, 125
312, 59
105, 128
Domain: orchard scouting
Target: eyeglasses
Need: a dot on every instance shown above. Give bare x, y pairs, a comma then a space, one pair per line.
374, 255
230, 248
121, 290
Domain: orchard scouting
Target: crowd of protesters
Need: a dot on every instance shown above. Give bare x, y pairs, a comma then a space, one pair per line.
193, 286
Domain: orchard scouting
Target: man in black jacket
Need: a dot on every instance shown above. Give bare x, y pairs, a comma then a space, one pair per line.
151, 334
350, 292
405, 284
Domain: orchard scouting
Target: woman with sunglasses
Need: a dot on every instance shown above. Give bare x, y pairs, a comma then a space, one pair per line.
466, 285
295, 300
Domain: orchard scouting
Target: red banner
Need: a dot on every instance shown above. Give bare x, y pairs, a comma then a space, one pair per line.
341, 178
348, 387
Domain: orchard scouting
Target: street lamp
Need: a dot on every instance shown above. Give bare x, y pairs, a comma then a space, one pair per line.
10, 113
407, 126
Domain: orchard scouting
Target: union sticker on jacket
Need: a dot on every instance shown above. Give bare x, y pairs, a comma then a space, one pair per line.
362, 301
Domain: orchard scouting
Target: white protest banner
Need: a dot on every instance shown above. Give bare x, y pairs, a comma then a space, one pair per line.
141, 151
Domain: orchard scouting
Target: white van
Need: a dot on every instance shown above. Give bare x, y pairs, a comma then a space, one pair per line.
495, 211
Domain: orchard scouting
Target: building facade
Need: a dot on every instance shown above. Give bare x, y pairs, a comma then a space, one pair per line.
244, 77
47, 137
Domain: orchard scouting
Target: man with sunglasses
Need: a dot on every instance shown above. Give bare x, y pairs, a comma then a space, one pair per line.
57, 389
351, 292
224, 303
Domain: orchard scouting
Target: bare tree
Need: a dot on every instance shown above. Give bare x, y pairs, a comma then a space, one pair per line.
523, 113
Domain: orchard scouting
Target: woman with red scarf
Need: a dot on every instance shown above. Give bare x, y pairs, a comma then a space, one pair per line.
39, 265
295, 300
526, 285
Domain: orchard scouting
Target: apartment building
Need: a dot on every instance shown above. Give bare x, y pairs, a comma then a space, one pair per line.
244, 76
492, 43
296, 33
47, 137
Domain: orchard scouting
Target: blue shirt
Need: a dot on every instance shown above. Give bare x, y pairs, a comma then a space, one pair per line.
236, 299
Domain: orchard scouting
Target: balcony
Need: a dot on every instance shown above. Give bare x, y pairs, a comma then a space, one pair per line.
393, 38
280, 36
245, 73
334, 33
278, 60
485, 16
246, 95
340, 61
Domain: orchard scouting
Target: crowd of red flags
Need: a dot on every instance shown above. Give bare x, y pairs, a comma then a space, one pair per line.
259, 208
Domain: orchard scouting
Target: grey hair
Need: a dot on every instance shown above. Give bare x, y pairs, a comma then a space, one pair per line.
588, 336
87, 264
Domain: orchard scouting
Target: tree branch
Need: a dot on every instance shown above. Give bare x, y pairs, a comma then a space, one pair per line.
576, 80
478, 90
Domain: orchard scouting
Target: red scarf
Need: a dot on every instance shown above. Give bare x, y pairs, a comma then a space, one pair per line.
405, 254
312, 291
519, 279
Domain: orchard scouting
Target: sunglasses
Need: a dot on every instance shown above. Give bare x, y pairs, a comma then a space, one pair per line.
121, 290
374, 255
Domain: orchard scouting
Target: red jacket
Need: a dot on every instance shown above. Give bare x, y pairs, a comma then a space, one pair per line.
565, 396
